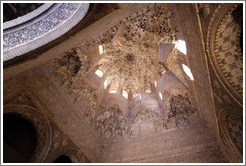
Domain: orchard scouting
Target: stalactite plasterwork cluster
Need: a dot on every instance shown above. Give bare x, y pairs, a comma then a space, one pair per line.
179, 108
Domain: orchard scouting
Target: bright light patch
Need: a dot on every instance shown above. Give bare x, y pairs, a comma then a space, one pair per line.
163, 71
160, 95
99, 73
147, 91
140, 97
188, 72
181, 46
155, 83
125, 94
100, 49
113, 90
105, 83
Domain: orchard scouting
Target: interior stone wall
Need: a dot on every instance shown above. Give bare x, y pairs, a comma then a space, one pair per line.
191, 144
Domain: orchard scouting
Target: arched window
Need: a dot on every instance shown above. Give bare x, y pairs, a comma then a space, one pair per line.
105, 84
160, 95
113, 90
19, 139
188, 72
181, 46
148, 90
100, 49
99, 73
125, 94
155, 82
63, 159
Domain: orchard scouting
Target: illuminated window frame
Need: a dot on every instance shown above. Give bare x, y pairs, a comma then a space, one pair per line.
155, 82
105, 84
113, 90
125, 94
163, 71
160, 95
99, 73
100, 49
147, 90
181, 46
188, 72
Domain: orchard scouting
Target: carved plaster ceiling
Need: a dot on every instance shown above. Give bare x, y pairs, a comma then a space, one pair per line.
130, 61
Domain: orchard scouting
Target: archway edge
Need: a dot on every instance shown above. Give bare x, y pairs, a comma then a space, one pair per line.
41, 125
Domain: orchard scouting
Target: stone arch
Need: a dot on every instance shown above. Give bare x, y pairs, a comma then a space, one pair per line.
21, 150
63, 159
41, 125
74, 155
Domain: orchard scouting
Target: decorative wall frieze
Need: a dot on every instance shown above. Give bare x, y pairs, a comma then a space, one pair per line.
60, 19
224, 49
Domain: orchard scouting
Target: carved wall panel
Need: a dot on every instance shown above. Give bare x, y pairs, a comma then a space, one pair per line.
71, 67
224, 49
67, 73
146, 121
179, 110
112, 123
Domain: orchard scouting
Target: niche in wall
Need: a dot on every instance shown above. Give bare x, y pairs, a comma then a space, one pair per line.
63, 159
19, 139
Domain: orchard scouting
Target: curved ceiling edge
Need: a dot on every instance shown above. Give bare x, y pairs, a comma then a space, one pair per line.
50, 27
27, 17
